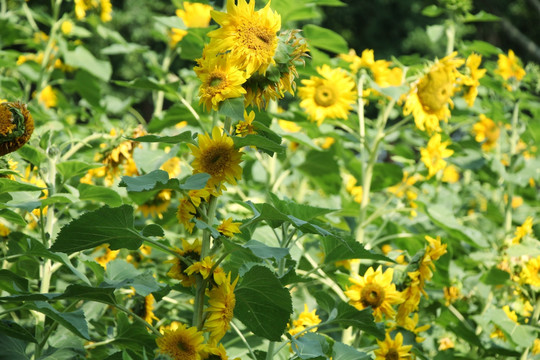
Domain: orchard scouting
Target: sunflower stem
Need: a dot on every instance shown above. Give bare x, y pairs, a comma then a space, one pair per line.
514, 138
451, 37
160, 96
239, 333
48, 63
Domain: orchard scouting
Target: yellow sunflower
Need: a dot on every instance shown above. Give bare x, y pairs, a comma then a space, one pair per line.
195, 15
472, 80
523, 230
486, 132
248, 36
329, 96
392, 349
531, 272
157, 205
145, 308
430, 97
375, 290
229, 228
202, 267
215, 353
509, 66
189, 251
220, 80
16, 126
185, 212
434, 153
218, 157
182, 343
220, 310
245, 127
305, 320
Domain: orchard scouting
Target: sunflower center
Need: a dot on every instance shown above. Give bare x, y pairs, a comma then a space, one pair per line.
191, 255
255, 37
325, 96
215, 159
6, 121
187, 350
435, 89
216, 80
372, 295
392, 354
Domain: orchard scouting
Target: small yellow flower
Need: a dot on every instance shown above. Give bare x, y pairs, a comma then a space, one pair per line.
434, 154
48, 97
220, 310
523, 230
228, 228
450, 174
446, 343
305, 320
195, 15
66, 27
355, 191
451, 294
172, 167
536, 347
509, 66
531, 272
472, 82
486, 132
202, 267
245, 126
109, 255
392, 349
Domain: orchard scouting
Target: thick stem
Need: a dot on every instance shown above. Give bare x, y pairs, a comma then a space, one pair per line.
451, 37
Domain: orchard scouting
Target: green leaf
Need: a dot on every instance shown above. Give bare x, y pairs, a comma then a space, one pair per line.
432, 11
12, 217
522, 335
120, 274
133, 337
264, 251
34, 155
233, 108
435, 32
153, 230
12, 283
301, 211
341, 351
9, 186
13, 349
195, 182
106, 225
14, 330
126, 48
495, 277
73, 321
88, 86
325, 39
170, 21
82, 58
103, 295
310, 345
58, 199
323, 170
100, 194
148, 84
261, 142
72, 168
170, 117
480, 16
186, 136
336, 249
263, 305
144, 182
442, 216
360, 319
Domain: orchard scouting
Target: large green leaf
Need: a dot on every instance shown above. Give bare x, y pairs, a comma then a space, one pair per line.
113, 226
360, 319
72, 168
262, 303
13, 348
260, 142
233, 108
73, 321
12, 283
8, 186
322, 168
186, 136
100, 194
148, 84
82, 58
133, 337
14, 330
310, 346
336, 249
341, 351
120, 273
325, 39
264, 251
12, 217
300, 211
159, 179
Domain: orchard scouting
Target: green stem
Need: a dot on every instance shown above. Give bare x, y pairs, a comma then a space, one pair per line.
100, 343
239, 333
160, 97
451, 37
138, 318
48, 63
80, 144
514, 138
12, 310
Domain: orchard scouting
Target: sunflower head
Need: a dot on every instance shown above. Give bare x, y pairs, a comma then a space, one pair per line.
217, 157
183, 343
329, 96
16, 126
190, 252
392, 349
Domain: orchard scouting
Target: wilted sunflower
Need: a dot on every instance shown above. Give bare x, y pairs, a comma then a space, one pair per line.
376, 290
328, 97
16, 126
221, 80
217, 157
182, 343
430, 97
248, 36
220, 309
392, 349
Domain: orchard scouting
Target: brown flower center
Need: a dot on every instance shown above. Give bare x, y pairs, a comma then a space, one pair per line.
215, 159
372, 295
6, 120
325, 96
435, 89
392, 354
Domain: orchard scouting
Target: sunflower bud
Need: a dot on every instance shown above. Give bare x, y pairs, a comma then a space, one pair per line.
16, 126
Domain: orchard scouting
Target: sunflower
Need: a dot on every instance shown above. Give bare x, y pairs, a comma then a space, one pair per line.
472, 81
157, 205
220, 310
172, 166
228, 228
185, 212
375, 290
220, 80
248, 36
329, 96
305, 320
523, 230
145, 308
245, 127
531, 272
182, 343
189, 251
202, 267
218, 157
392, 349
451, 295
16, 126
195, 15
434, 154
486, 132
215, 353
509, 66
108, 256
430, 97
